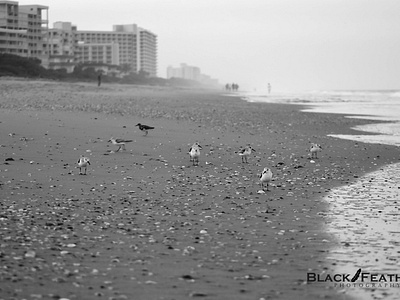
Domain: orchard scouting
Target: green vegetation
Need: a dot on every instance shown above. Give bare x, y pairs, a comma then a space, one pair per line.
18, 66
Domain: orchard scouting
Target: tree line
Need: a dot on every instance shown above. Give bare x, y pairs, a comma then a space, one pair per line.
18, 66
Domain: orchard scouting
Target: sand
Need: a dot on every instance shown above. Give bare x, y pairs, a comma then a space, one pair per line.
145, 223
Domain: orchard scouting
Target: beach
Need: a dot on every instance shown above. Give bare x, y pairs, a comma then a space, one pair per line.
144, 223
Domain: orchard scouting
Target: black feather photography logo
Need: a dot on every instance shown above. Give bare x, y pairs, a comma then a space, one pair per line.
358, 279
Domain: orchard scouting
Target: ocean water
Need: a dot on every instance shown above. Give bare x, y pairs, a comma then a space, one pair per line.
373, 105
365, 215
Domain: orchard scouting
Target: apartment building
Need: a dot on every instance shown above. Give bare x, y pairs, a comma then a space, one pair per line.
60, 46
23, 29
92, 44
126, 45
191, 73
129, 46
184, 71
147, 51
101, 53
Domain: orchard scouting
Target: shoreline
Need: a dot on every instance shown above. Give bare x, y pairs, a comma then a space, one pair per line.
190, 215
367, 209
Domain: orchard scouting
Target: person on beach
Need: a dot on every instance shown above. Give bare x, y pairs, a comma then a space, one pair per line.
269, 88
99, 80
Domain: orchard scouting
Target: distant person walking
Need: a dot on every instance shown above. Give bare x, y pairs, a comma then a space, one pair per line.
269, 88
99, 80
235, 87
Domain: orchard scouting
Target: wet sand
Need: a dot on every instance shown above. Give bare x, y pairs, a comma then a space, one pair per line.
365, 217
145, 223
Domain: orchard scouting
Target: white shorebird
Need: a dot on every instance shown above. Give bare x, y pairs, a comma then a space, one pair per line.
314, 149
119, 142
83, 162
265, 177
245, 152
144, 128
194, 153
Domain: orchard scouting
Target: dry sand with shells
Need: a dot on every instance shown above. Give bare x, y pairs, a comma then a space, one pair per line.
145, 223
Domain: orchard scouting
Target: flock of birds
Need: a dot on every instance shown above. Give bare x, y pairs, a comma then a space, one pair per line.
265, 177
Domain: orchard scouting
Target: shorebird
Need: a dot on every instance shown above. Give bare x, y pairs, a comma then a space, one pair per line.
194, 153
245, 152
314, 149
83, 162
266, 176
119, 142
144, 128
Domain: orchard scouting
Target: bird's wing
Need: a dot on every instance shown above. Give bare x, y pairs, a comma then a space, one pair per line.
123, 141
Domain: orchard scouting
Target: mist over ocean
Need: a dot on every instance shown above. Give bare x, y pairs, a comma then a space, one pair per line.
374, 105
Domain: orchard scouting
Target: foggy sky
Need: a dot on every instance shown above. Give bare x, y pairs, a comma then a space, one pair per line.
295, 45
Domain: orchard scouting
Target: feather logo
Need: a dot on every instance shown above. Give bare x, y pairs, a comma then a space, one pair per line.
356, 275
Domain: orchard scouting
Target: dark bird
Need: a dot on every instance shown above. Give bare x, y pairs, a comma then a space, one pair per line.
144, 128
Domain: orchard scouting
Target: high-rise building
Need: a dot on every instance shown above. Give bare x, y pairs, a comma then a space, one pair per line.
184, 71
134, 47
61, 46
23, 29
190, 73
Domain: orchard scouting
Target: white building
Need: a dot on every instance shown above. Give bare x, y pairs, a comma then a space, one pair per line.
23, 29
61, 46
136, 47
184, 71
190, 73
